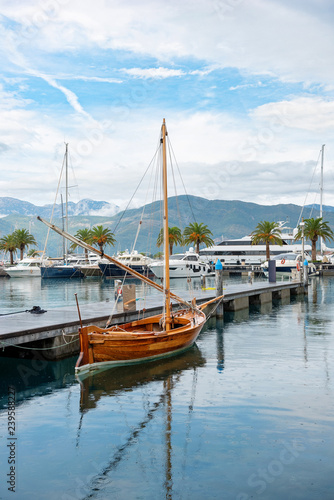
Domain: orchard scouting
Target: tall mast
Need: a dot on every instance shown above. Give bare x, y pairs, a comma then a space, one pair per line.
166, 235
66, 193
321, 189
62, 223
66, 187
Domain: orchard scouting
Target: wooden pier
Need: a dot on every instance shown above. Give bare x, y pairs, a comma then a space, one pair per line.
54, 334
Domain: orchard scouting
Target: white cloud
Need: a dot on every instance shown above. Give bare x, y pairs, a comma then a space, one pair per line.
90, 79
247, 86
283, 39
307, 113
153, 72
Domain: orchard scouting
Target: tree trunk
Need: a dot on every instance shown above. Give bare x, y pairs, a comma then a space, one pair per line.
171, 248
11, 257
197, 246
314, 249
21, 252
267, 250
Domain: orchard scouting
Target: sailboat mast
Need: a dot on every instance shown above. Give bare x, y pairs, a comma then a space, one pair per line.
321, 190
66, 188
66, 194
62, 223
166, 234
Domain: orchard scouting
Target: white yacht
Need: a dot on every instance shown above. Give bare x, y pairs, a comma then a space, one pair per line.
182, 265
285, 263
27, 267
241, 251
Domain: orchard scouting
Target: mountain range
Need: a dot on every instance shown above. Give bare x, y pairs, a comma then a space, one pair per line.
10, 206
226, 219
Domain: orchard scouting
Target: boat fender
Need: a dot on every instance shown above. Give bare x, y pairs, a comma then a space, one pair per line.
283, 261
298, 266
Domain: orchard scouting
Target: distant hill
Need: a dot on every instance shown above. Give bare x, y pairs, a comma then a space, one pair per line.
10, 206
325, 208
227, 219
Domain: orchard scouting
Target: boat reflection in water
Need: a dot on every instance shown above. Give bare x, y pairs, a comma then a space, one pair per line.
117, 380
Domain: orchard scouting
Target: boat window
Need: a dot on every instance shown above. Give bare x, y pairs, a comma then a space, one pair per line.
191, 257
285, 256
236, 242
177, 256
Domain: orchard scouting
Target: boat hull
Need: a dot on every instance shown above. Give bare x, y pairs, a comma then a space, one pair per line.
91, 271
183, 271
61, 272
110, 270
286, 272
137, 342
32, 272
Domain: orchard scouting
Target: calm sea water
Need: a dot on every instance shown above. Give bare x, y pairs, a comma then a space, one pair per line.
247, 413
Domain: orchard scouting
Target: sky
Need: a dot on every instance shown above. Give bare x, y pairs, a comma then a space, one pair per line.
246, 88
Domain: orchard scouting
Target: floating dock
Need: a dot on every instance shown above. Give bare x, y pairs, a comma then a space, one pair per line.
54, 334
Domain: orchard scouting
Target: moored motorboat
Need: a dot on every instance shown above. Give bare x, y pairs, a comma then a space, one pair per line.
183, 265
89, 266
68, 268
27, 267
134, 260
286, 263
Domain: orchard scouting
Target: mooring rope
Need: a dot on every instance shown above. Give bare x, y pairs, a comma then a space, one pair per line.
6, 344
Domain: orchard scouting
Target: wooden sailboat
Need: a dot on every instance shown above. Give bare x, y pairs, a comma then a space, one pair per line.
147, 339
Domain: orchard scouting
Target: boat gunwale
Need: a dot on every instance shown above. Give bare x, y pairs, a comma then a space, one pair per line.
105, 334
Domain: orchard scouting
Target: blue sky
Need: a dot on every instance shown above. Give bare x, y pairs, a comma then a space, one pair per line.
246, 87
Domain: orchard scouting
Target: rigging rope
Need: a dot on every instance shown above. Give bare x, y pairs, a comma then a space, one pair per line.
141, 180
184, 187
54, 204
301, 212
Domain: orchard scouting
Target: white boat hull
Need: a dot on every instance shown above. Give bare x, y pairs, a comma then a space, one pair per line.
16, 272
26, 268
183, 271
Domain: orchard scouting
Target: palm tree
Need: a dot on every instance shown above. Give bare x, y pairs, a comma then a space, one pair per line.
84, 235
267, 232
174, 236
315, 228
32, 253
9, 245
196, 234
23, 239
102, 236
